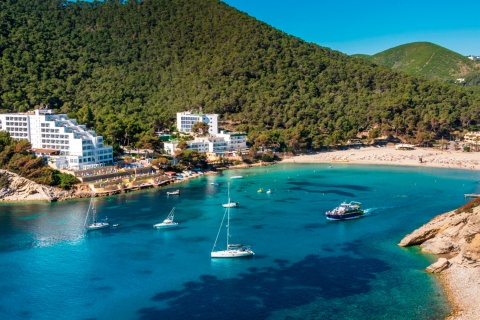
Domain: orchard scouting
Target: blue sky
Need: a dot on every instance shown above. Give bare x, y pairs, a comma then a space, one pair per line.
371, 26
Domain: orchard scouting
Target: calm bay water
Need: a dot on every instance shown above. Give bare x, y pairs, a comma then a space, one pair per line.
304, 266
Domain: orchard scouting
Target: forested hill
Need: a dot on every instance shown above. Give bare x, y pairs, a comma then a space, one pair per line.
136, 64
426, 59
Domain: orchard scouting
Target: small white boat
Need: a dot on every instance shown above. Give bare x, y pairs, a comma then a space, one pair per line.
95, 225
214, 183
173, 193
237, 177
269, 191
168, 222
229, 204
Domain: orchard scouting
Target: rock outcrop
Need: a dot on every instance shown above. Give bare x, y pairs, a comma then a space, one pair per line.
438, 266
17, 188
455, 234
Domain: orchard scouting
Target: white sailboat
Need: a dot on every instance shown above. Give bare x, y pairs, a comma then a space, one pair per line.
229, 204
168, 222
232, 250
95, 225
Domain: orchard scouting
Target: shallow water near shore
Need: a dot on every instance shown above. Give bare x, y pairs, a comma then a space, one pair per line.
304, 265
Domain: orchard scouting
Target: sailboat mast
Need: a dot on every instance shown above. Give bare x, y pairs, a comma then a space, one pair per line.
228, 225
88, 212
219, 229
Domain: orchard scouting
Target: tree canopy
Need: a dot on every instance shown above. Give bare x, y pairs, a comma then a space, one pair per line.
126, 68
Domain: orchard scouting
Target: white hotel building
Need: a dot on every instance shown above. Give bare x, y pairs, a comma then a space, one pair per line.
223, 142
186, 120
77, 148
215, 142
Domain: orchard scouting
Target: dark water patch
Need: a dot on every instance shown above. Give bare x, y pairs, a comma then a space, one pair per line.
145, 272
314, 191
96, 278
340, 193
140, 255
258, 226
104, 289
297, 189
25, 314
314, 226
351, 247
304, 183
299, 284
354, 187
327, 249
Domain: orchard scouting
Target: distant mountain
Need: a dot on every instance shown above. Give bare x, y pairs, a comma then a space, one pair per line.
426, 59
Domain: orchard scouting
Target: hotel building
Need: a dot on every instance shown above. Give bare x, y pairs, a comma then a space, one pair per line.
75, 146
472, 138
186, 120
219, 144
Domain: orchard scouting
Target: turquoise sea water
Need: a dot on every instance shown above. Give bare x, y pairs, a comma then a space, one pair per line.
305, 267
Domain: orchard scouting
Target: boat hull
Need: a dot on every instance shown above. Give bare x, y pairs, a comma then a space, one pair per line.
346, 216
97, 226
229, 205
165, 226
232, 254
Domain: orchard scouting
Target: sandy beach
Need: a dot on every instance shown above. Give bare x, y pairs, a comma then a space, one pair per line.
391, 156
461, 284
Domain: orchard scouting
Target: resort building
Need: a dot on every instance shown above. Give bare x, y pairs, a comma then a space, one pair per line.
65, 143
235, 140
472, 138
223, 142
186, 120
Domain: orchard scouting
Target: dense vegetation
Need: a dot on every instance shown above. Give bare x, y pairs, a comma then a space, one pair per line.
14, 157
126, 68
426, 59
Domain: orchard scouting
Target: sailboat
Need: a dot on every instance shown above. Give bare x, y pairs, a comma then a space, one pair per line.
95, 225
168, 222
229, 204
232, 250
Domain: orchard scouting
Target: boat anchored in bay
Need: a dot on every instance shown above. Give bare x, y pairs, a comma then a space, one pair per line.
229, 204
95, 225
168, 222
346, 211
232, 250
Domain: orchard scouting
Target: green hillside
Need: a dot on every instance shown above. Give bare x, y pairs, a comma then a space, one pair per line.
125, 69
426, 59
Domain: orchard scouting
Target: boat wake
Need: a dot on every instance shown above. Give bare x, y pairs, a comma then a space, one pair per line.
369, 211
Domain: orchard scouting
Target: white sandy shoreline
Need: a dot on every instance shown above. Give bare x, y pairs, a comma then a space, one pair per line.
391, 156
461, 284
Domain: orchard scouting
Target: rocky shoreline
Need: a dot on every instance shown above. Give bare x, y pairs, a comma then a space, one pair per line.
455, 237
22, 189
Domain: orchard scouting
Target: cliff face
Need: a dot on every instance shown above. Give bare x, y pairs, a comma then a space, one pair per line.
21, 189
455, 234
